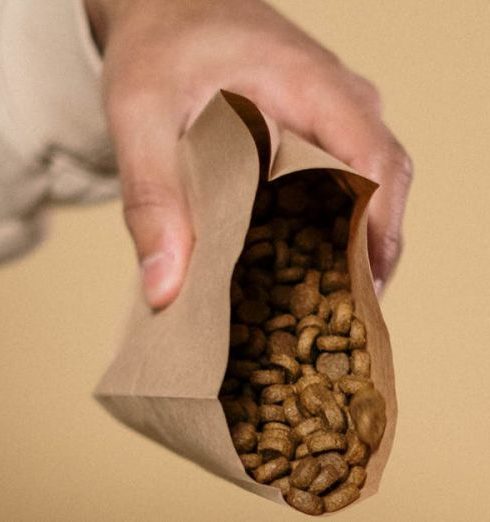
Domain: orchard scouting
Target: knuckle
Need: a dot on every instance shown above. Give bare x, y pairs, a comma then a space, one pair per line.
401, 163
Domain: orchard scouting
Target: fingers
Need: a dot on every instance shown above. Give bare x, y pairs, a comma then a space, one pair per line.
155, 203
345, 120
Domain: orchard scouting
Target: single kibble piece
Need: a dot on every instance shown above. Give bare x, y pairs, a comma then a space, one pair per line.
333, 365
271, 413
244, 437
266, 377
308, 426
242, 368
282, 254
304, 300
281, 342
301, 451
310, 377
292, 412
341, 319
293, 274
256, 344
314, 397
259, 233
276, 393
341, 497
251, 409
283, 485
368, 411
286, 362
333, 280
357, 476
360, 363
308, 239
304, 473
252, 312
280, 296
280, 322
332, 343
271, 470
305, 343
275, 443
276, 426
258, 252
239, 334
234, 411
250, 460
305, 501
340, 232
260, 277
351, 384
333, 414
299, 259
322, 440
357, 452
311, 321
357, 335
327, 477
334, 459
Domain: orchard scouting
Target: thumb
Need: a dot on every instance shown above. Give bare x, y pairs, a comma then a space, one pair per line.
157, 216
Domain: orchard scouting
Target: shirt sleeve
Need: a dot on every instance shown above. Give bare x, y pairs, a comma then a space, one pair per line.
53, 141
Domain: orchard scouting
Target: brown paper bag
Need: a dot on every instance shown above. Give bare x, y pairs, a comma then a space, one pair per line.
164, 381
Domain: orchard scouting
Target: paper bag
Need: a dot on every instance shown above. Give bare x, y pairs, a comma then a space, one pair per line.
164, 381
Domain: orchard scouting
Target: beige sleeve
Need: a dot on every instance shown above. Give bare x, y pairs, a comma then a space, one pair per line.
53, 141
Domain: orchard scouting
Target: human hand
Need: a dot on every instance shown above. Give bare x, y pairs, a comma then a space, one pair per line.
164, 59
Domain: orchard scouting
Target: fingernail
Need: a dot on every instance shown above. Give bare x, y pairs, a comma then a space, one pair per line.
157, 277
378, 287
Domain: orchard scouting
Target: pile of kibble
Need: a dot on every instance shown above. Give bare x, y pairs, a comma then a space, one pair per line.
304, 415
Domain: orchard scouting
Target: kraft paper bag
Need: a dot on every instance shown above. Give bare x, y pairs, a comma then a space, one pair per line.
165, 379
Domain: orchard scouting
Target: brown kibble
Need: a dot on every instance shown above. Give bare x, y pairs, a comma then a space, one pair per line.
308, 426
305, 501
280, 296
312, 278
328, 475
242, 368
314, 397
304, 473
357, 452
280, 228
344, 495
271, 413
321, 440
307, 369
250, 460
301, 451
292, 274
360, 363
308, 239
368, 410
340, 261
251, 409
244, 437
341, 319
280, 322
236, 293
340, 398
304, 300
311, 378
333, 280
281, 342
256, 293
333, 414
288, 363
292, 412
259, 277
324, 308
276, 393
266, 377
276, 426
282, 484
256, 344
305, 343
252, 312
271, 470
357, 476
332, 343
351, 384
275, 443
258, 252
324, 256
239, 334
299, 259
282, 254
309, 321
333, 365
357, 334
234, 411
334, 459
259, 233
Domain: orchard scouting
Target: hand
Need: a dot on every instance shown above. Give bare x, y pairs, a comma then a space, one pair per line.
164, 59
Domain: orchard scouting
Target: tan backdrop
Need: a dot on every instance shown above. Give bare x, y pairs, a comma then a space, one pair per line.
63, 459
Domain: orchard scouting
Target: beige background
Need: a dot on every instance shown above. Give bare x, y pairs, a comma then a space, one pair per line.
63, 459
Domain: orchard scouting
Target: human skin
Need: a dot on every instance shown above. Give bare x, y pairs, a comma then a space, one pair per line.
163, 61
